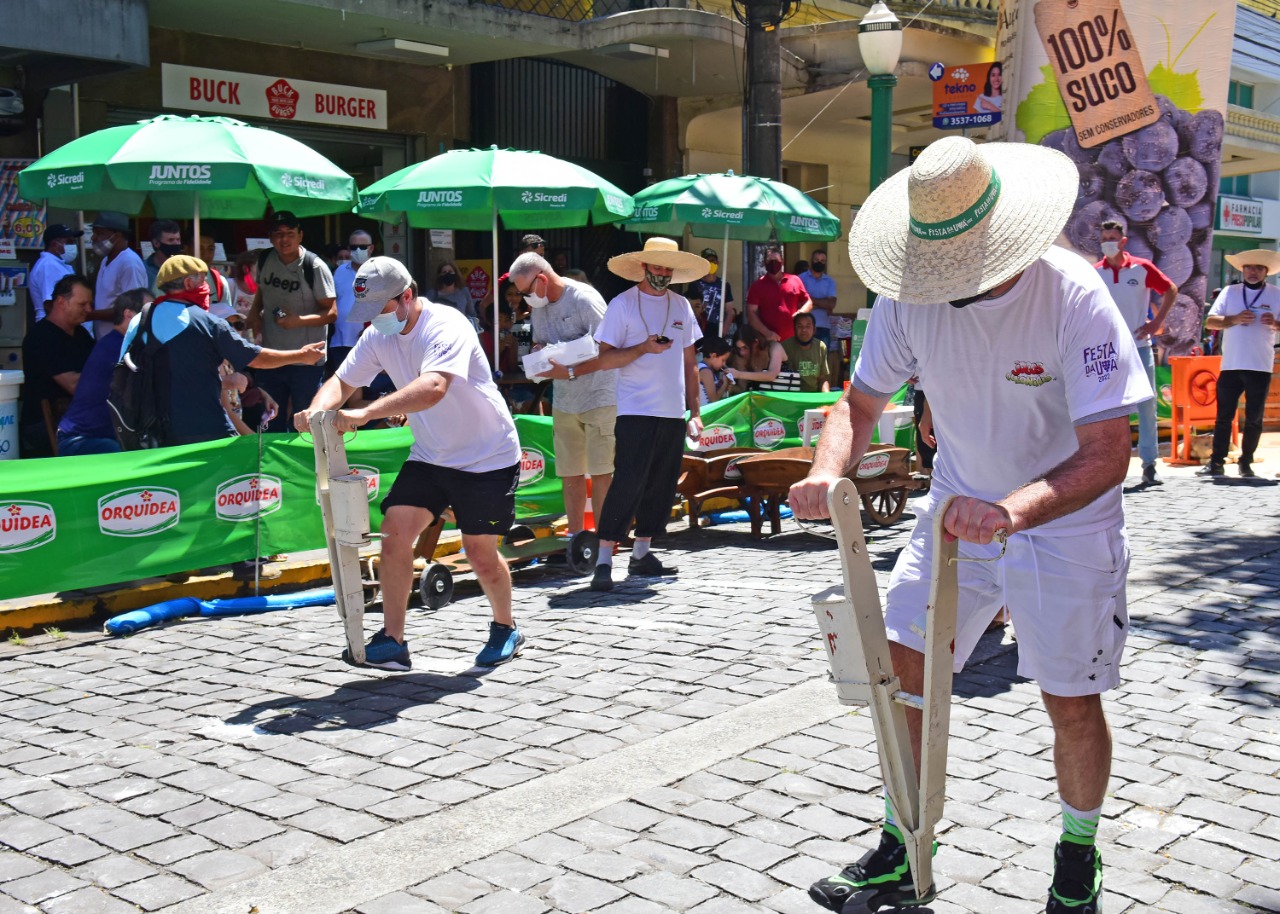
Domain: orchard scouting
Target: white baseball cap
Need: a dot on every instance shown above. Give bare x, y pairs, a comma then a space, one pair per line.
378, 281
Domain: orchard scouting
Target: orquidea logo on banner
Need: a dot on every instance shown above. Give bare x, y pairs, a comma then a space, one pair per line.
533, 465
246, 497
872, 465
138, 511
715, 437
26, 525
768, 432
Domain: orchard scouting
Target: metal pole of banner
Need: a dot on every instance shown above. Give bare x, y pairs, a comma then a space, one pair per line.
493, 280
195, 228
724, 275
257, 520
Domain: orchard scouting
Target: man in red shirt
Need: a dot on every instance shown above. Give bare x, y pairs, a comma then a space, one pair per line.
775, 299
1131, 280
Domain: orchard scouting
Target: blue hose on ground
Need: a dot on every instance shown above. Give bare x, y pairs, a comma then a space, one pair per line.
739, 517
138, 619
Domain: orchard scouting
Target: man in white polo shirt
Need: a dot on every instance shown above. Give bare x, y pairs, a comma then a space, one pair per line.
1131, 280
1246, 313
465, 453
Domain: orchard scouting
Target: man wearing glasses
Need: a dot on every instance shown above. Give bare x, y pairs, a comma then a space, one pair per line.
293, 307
345, 332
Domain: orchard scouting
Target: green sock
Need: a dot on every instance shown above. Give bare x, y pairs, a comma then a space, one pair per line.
1078, 826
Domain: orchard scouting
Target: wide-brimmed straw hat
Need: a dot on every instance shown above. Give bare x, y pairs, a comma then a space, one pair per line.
660, 252
962, 220
1260, 256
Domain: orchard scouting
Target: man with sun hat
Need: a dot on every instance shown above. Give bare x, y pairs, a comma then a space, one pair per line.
1032, 375
1246, 313
649, 334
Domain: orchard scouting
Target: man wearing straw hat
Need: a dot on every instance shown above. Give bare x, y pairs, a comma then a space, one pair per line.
1246, 315
1032, 375
649, 333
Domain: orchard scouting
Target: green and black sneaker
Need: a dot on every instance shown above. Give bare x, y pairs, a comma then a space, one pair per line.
1077, 880
881, 879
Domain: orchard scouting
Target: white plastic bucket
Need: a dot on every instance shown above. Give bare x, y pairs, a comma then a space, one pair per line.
10, 381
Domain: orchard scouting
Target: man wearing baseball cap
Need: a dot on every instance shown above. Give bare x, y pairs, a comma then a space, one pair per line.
1246, 314
54, 262
197, 343
1032, 374
119, 269
465, 453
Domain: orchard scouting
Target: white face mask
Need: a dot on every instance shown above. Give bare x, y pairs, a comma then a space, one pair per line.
533, 299
69, 251
359, 255
102, 247
388, 323
1110, 248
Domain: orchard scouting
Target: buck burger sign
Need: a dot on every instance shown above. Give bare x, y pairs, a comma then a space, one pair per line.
279, 98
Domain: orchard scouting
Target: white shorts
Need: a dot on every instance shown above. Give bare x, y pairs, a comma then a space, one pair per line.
1066, 598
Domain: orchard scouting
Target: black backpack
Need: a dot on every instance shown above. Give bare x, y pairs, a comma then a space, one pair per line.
139, 395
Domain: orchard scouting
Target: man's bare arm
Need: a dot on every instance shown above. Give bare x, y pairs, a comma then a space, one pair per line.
609, 357
844, 440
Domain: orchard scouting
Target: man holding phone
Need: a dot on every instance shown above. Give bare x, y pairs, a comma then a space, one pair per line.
650, 335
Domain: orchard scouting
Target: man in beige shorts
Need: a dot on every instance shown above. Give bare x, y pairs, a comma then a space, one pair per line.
583, 408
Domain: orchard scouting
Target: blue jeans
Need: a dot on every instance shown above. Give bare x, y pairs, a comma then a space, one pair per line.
77, 445
293, 387
1148, 433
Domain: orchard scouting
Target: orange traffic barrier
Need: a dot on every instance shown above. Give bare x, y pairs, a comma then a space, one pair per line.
589, 516
1194, 401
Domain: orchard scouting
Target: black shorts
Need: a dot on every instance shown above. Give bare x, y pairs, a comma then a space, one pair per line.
483, 503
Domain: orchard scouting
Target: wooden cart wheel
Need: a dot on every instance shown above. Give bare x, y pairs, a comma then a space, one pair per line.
885, 507
435, 586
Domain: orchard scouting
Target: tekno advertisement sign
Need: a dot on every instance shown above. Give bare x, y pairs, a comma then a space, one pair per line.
272, 97
967, 95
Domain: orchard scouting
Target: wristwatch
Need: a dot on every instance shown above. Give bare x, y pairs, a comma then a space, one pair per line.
571, 374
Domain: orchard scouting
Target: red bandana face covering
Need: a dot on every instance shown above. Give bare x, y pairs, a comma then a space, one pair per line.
198, 296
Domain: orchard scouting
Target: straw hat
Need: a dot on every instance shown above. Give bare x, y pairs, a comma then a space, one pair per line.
962, 220
1268, 259
660, 252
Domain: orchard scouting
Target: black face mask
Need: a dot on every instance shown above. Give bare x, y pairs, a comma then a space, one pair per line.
966, 302
818, 267
1254, 286
446, 279
169, 250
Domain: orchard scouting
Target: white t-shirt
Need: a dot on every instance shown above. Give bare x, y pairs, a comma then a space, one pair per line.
470, 428
577, 313
121, 273
652, 385
1009, 379
1248, 347
345, 332
44, 275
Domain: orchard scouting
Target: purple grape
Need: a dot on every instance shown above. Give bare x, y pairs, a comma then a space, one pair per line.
1137, 245
1177, 264
1196, 287
1066, 143
1171, 229
1111, 159
1205, 132
1153, 147
1201, 215
1171, 113
1202, 249
1056, 140
1185, 182
1092, 184
1140, 194
1086, 225
1181, 327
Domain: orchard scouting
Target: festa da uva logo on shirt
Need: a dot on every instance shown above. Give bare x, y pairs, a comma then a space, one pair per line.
1100, 361
1029, 374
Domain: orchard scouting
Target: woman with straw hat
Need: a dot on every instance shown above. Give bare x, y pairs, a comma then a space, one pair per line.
649, 334
1246, 313
1032, 375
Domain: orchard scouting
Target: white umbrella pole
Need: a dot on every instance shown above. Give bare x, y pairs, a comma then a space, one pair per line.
493, 279
195, 230
724, 272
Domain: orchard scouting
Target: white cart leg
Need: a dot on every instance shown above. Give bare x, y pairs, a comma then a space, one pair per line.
344, 504
852, 627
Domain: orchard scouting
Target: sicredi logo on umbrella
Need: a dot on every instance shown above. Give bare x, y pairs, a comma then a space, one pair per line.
530, 196
726, 215
56, 180
301, 182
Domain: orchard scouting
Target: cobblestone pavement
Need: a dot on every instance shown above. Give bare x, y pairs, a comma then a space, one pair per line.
670, 746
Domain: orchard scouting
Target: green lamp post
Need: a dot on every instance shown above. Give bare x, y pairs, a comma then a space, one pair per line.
880, 42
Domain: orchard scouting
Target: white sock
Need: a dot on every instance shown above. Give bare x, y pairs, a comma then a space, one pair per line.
605, 558
640, 549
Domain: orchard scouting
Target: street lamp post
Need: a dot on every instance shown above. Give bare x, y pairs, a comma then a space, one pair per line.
880, 42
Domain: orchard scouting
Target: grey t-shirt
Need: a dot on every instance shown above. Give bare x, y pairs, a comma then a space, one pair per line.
578, 313
285, 286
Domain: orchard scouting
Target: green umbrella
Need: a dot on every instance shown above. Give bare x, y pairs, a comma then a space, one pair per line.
472, 188
741, 207
217, 167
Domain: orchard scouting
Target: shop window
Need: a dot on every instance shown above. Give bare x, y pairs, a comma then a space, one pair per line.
1237, 186
1239, 93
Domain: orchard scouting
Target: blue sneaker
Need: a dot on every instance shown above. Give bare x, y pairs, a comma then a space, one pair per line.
504, 644
386, 653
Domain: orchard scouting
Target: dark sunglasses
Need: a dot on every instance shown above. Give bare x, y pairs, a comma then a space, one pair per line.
359, 247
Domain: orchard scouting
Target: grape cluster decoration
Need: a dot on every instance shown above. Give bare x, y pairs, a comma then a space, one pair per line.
1161, 181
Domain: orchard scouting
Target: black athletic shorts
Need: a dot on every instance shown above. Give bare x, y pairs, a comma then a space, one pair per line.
483, 503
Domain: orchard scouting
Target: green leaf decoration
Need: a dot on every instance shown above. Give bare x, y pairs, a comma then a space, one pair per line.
1183, 89
1043, 110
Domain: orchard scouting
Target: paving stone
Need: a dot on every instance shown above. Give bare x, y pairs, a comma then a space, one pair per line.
158, 892
610, 866
22, 832
669, 890
113, 871
453, 890
15, 866
88, 901
218, 868
577, 894
633, 905
630, 816
693, 836
505, 903
664, 856
739, 881
510, 871
339, 824
70, 851
42, 886
550, 849
399, 903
